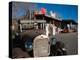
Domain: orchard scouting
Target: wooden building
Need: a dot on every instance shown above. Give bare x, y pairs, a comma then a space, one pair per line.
51, 22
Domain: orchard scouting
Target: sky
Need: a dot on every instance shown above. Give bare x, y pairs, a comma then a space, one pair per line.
19, 9
64, 11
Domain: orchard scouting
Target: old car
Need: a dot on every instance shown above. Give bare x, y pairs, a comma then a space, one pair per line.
32, 39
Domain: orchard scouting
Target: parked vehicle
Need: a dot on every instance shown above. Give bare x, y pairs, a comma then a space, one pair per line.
25, 39
65, 31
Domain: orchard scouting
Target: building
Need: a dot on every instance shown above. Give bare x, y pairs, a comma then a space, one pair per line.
69, 25
55, 23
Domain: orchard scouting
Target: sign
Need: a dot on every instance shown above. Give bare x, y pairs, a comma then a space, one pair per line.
53, 14
43, 10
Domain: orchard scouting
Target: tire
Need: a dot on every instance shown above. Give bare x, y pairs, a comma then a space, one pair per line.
58, 49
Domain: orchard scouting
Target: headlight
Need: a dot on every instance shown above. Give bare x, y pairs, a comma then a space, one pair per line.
64, 49
28, 46
53, 41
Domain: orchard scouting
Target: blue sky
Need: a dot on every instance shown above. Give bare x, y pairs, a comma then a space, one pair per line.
64, 11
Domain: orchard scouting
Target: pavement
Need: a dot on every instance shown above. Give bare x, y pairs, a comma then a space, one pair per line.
70, 40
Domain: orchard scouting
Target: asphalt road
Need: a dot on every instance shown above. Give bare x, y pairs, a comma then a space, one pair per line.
71, 42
